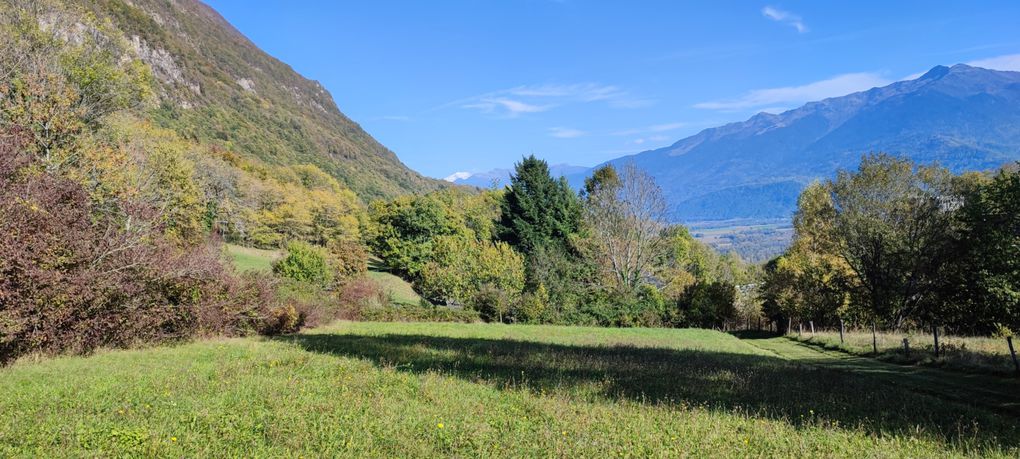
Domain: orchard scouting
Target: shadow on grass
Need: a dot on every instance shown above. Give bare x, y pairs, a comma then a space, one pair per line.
756, 385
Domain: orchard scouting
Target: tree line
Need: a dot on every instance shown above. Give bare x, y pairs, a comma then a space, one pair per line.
899, 245
537, 252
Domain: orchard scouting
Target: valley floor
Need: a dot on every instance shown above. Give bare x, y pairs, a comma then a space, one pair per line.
388, 389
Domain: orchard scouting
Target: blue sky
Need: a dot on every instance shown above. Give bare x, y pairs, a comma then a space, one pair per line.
473, 85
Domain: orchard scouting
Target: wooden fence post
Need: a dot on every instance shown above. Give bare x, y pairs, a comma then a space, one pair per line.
1012, 352
840, 330
874, 338
935, 332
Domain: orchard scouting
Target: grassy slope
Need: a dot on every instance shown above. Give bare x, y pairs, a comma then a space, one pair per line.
970, 354
251, 259
998, 393
370, 389
400, 291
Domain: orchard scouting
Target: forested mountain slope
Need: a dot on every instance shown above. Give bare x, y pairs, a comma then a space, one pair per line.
217, 87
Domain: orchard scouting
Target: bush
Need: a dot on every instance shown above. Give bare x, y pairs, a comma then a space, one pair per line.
349, 259
533, 306
307, 263
361, 294
74, 278
491, 303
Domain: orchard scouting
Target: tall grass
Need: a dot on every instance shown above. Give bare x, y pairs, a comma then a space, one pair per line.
962, 353
476, 390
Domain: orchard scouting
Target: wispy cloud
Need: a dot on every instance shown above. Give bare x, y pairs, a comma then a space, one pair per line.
1009, 62
650, 139
566, 133
518, 100
839, 85
784, 17
506, 106
665, 127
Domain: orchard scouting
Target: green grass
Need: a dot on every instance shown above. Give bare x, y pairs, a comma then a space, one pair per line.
251, 259
399, 290
468, 390
958, 353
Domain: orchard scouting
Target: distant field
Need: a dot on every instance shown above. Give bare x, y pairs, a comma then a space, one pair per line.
755, 240
400, 291
250, 259
470, 390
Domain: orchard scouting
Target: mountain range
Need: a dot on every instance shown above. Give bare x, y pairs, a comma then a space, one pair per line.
962, 117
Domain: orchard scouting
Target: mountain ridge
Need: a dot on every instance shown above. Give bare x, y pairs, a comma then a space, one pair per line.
963, 117
217, 86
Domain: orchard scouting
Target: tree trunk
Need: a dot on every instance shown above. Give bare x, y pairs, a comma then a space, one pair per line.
935, 332
812, 327
841, 330
874, 338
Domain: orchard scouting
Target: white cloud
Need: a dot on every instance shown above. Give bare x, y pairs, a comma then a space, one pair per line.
839, 85
650, 139
508, 106
584, 92
1009, 62
538, 98
784, 17
566, 133
458, 176
653, 128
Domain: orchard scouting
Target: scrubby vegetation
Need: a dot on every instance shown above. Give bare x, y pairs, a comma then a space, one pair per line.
111, 227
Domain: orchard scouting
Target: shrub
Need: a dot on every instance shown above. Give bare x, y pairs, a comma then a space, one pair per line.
361, 294
532, 306
491, 303
349, 259
73, 278
306, 262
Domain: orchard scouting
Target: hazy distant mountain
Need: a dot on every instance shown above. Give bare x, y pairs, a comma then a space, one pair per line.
965, 118
501, 177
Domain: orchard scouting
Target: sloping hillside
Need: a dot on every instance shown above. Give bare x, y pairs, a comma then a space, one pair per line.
216, 86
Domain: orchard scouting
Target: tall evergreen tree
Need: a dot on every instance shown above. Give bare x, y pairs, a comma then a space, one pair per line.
537, 210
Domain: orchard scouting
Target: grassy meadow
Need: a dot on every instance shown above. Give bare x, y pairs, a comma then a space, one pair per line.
971, 354
399, 290
424, 389
252, 259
